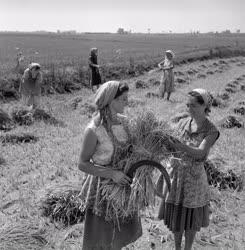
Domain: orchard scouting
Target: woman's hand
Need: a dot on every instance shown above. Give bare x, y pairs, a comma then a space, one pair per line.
120, 178
175, 143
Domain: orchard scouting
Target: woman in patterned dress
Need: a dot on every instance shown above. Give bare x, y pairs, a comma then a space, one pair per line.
167, 81
100, 140
186, 206
95, 77
30, 86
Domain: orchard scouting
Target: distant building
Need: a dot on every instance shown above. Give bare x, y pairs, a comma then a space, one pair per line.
67, 32
121, 31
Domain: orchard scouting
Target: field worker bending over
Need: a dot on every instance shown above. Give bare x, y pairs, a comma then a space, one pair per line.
102, 136
30, 86
95, 78
185, 210
167, 81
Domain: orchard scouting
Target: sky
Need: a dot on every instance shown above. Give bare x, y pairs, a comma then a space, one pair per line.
109, 15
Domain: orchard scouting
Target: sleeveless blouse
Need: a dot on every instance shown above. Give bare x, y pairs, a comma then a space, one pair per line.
189, 180
102, 156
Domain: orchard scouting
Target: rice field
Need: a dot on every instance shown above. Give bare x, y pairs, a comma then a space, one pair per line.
113, 48
29, 168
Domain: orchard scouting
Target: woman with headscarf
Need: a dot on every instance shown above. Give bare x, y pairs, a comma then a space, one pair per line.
102, 137
30, 86
167, 81
186, 206
95, 78
19, 63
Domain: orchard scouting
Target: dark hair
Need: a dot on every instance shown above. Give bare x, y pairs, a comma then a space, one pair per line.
199, 99
123, 87
36, 67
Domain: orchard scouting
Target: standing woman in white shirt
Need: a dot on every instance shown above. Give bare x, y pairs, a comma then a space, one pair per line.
167, 81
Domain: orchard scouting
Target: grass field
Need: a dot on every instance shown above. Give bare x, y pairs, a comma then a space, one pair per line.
113, 48
28, 169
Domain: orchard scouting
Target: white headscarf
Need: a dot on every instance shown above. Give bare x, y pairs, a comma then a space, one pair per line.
105, 94
207, 98
170, 52
32, 65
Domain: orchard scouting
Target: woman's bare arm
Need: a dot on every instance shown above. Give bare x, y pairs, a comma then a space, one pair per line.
160, 64
198, 152
85, 165
87, 151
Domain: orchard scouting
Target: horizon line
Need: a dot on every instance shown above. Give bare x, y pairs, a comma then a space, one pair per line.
74, 32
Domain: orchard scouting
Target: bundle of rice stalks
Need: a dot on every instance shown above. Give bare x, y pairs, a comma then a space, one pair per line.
218, 71
22, 116
230, 122
139, 84
179, 116
154, 82
224, 96
26, 116
220, 179
63, 205
201, 76
21, 138
231, 85
65, 208
204, 66
151, 94
180, 80
179, 73
218, 102
24, 235
148, 140
42, 115
239, 110
240, 78
5, 121
210, 72
230, 90
2, 161
8, 88
243, 87
236, 82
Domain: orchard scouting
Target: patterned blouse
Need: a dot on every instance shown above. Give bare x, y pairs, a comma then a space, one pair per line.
189, 180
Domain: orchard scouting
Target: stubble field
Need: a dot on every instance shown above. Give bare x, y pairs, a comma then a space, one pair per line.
28, 169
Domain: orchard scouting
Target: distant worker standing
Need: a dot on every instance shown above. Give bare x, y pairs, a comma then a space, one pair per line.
95, 78
167, 81
30, 86
19, 63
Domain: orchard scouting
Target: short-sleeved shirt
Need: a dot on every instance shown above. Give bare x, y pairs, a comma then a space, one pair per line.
189, 183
